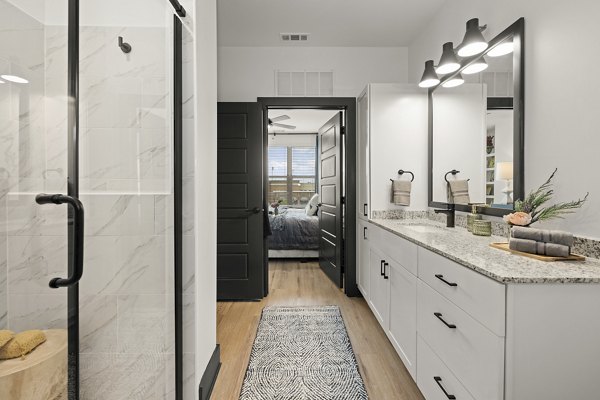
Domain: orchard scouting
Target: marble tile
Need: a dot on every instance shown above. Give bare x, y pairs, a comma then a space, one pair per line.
189, 150
98, 323
126, 376
40, 311
27, 218
189, 323
163, 214
3, 284
144, 324
119, 214
125, 265
156, 103
33, 261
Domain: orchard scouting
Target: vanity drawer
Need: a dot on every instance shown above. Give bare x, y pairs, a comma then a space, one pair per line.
400, 250
480, 296
471, 351
433, 377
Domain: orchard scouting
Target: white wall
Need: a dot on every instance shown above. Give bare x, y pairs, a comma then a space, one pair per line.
561, 127
205, 14
246, 73
299, 140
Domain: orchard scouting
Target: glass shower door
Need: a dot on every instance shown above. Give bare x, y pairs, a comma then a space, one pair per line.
33, 159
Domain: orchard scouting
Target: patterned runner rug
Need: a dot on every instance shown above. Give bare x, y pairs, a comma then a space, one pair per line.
302, 353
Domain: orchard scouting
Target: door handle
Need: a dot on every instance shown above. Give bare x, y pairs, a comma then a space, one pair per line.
254, 210
78, 218
439, 316
438, 380
385, 275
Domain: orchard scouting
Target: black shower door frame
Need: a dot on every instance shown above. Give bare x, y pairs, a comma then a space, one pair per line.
73, 360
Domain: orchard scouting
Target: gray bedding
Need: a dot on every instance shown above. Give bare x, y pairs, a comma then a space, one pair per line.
294, 230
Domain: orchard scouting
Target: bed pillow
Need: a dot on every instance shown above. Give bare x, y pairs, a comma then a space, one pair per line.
313, 206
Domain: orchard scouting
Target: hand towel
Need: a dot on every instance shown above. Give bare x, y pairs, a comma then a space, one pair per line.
401, 192
458, 192
540, 248
541, 235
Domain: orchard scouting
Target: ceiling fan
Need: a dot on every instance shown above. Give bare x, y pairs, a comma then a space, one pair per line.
274, 122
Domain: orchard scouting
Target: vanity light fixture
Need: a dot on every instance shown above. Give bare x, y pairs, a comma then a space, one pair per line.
502, 49
448, 62
473, 43
454, 82
429, 78
477, 66
14, 78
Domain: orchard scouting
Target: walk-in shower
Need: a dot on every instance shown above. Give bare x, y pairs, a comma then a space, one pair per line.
106, 129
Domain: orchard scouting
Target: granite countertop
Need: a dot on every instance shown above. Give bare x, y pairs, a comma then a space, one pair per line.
474, 252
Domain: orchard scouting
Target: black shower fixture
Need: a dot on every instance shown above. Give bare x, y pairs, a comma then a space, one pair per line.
125, 47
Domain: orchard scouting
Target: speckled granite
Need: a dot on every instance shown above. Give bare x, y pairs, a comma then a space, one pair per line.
474, 252
587, 247
499, 227
399, 214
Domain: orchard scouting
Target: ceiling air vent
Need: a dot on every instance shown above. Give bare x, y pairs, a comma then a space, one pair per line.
294, 37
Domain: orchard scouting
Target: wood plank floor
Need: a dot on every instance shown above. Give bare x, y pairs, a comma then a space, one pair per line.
296, 283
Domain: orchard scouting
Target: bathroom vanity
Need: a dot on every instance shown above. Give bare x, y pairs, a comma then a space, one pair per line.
473, 322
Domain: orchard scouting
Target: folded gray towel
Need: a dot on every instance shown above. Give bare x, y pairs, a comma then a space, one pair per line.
401, 192
541, 235
458, 192
540, 248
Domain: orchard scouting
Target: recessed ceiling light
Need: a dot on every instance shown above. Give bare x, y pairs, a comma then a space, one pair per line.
14, 78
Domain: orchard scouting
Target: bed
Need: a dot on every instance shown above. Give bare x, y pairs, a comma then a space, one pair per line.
294, 234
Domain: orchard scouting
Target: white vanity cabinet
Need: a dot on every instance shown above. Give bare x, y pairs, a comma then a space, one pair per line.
463, 335
391, 134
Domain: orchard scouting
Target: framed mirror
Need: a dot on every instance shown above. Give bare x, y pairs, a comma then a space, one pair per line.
476, 129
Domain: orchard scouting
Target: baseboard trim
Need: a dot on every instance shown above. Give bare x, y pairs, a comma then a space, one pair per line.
207, 383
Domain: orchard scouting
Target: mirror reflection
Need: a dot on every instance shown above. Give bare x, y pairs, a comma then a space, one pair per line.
473, 131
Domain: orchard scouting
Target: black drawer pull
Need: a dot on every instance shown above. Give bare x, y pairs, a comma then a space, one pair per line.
438, 380
381, 268
385, 265
439, 316
365, 212
441, 278
365, 232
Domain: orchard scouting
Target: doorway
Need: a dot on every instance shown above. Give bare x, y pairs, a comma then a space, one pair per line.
334, 177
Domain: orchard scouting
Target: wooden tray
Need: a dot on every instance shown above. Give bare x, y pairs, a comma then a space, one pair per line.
504, 246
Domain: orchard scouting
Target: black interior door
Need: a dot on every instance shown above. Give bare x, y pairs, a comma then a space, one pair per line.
240, 261
331, 191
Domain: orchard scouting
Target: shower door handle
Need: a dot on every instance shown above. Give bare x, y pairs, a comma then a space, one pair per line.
78, 216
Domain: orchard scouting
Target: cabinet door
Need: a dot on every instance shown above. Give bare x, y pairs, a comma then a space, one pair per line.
362, 150
380, 287
403, 315
362, 257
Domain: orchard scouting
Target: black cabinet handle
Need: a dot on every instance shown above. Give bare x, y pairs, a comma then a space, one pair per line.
78, 236
365, 212
439, 316
381, 268
441, 278
365, 232
438, 380
385, 265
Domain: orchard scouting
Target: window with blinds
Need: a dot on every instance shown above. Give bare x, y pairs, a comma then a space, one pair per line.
292, 175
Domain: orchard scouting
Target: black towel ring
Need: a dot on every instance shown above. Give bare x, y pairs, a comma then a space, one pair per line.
453, 172
402, 172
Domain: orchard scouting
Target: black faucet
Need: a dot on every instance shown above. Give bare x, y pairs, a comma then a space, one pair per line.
450, 213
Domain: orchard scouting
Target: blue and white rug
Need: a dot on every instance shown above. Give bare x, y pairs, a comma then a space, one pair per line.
302, 353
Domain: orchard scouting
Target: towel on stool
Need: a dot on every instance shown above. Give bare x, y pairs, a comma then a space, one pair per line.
458, 192
541, 235
23, 343
540, 248
401, 192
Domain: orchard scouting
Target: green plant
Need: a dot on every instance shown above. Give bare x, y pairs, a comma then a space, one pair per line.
533, 203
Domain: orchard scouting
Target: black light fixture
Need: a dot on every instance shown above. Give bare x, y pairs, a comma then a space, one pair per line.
448, 62
476, 67
454, 82
429, 78
473, 42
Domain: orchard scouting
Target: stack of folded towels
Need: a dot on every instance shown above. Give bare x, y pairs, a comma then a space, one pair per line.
541, 242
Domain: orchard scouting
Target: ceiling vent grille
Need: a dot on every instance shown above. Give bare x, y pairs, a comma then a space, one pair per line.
294, 37
303, 83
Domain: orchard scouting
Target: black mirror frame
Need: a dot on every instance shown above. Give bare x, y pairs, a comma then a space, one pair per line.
517, 32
